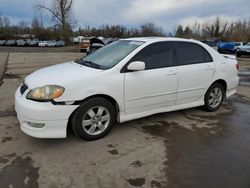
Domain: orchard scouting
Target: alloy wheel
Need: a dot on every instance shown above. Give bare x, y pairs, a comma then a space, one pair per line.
96, 120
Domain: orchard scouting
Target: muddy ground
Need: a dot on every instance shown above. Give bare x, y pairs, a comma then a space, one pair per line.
187, 148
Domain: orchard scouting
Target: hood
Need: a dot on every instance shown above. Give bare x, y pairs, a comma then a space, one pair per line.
245, 47
226, 45
61, 74
96, 40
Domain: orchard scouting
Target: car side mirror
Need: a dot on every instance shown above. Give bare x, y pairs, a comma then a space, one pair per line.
136, 66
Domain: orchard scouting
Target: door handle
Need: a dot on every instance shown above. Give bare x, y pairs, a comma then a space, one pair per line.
210, 68
171, 73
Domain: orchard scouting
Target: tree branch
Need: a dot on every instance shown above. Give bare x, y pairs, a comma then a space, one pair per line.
51, 11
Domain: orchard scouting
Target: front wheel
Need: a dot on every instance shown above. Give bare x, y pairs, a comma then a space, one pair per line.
93, 119
214, 97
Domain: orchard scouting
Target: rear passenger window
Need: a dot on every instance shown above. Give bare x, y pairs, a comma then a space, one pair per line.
157, 55
191, 53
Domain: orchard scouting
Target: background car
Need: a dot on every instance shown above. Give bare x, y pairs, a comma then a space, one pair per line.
227, 47
97, 43
84, 44
60, 43
238, 44
33, 42
21, 42
10, 43
243, 50
42, 43
51, 43
2, 42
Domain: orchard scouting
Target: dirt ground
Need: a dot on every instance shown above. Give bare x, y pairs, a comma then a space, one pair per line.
71, 48
187, 148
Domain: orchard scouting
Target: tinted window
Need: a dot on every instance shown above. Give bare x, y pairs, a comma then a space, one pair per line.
157, 55
191, 53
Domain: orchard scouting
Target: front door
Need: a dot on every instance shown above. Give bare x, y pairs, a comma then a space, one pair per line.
156, 86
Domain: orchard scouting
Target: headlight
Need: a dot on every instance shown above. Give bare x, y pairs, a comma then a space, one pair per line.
45, 93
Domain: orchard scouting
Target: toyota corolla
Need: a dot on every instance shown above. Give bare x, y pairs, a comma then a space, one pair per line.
126, 80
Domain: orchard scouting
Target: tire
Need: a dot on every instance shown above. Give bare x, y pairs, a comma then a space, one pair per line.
219, 50
238, 54
214, 97
93, 119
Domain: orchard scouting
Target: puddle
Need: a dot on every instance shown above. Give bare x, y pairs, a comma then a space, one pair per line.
19, 173
138, 182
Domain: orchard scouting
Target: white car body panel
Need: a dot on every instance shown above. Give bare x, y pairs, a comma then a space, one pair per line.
137, 94
150, 95
189, 87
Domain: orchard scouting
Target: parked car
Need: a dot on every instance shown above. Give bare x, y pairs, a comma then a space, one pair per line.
42, 43
238, 44
227, 47
21, 42
126, 80
33, 42
10, 43
28, 41
243, 50
84, 44
51, 43
2, 42
77, 39
60, 43
97, 43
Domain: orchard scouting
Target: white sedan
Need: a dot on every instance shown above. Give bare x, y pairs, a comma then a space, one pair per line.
126, 80
42, 43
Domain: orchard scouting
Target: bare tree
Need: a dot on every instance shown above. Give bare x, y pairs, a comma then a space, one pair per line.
150, 29
60, 11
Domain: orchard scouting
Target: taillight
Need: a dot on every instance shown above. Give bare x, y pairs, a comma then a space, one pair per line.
237, 66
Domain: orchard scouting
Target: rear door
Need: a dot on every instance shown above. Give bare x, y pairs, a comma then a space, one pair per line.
195, 71
155, 86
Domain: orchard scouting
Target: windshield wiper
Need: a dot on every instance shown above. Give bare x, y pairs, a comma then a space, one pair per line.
89, 64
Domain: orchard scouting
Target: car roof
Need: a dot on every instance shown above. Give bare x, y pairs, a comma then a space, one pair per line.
159, 39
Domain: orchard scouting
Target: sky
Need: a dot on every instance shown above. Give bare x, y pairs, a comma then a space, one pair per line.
164, 13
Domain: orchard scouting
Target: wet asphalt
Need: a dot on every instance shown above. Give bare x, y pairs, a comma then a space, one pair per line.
210, 159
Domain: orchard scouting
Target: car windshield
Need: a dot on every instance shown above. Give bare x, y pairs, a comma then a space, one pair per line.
108, 56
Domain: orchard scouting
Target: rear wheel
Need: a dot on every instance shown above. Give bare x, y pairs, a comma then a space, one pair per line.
214, 97
238, 54
93, 119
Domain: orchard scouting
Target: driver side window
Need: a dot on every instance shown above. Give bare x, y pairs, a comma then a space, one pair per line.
157, 55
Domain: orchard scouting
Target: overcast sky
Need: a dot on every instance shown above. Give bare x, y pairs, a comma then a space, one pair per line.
165, 13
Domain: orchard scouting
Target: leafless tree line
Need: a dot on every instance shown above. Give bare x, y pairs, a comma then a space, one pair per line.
217, 28
121, 31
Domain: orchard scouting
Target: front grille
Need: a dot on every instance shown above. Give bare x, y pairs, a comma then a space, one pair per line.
23, 88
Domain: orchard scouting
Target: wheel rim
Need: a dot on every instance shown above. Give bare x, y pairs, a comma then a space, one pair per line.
96, 120
215, 97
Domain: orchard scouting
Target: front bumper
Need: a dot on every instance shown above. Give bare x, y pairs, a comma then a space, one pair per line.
54, 117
